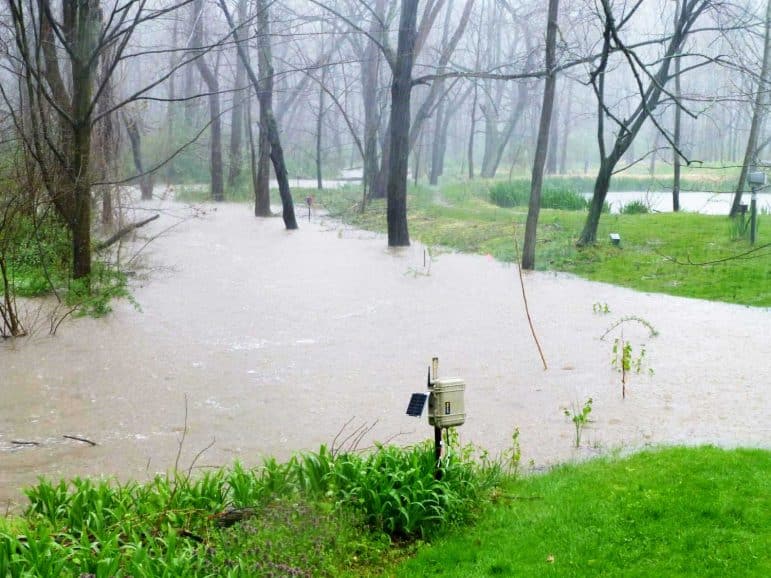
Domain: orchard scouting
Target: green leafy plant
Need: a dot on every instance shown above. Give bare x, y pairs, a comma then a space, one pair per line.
624, 358
601, 308
579, 417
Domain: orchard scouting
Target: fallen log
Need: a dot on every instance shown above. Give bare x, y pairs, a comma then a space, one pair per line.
123, 231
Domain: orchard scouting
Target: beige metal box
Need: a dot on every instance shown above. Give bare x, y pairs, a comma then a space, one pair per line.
445, 403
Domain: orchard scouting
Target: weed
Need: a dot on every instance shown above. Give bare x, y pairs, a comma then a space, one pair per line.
579, 417
601, 308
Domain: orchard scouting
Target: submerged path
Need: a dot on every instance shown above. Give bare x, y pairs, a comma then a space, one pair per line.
278, 339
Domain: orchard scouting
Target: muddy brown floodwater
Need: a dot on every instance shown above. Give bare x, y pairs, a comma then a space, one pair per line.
278, 339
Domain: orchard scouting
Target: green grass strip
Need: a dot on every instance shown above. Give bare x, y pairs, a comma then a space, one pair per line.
672, 512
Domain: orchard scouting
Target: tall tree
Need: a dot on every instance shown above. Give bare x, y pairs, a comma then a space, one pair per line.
758, 114
269, 136
239, 107
627, 128
401, 90
678, 120
209, 76
534, 207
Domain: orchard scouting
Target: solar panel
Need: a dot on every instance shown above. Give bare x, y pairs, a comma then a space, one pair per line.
417, 403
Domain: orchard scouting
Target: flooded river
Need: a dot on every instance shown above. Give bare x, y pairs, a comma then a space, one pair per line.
279, 339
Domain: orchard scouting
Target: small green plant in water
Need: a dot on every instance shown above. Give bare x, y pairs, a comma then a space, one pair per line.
601, 308
580, 418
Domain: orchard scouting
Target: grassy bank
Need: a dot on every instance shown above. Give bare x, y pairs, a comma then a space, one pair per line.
670, 512
683, 254
675, 512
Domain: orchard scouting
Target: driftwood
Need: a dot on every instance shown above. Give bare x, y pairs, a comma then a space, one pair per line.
80, 439
125, 231
24, 443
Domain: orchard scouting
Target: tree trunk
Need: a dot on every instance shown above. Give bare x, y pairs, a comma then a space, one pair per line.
319, 127
491, 140
237, 114
268, 124
370, 66
262, 190
472, 130
528, 250
171, 175
379, 191
212, 84
83, 69
523, 96
107, 139
551, 156
438, 146
145, 180
676, 132
601, 186
401, 89
566, 124
758, 113
261, 205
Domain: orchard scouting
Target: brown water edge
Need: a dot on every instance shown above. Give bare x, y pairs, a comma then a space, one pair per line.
279, 338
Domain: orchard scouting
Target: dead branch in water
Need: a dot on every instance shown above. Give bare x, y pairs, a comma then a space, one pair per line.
80, 439
24, 443
125, 231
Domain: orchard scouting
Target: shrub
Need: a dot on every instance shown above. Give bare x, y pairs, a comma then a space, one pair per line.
635, 208
517, 194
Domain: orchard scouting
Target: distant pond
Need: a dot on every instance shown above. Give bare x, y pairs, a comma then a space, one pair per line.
707, 203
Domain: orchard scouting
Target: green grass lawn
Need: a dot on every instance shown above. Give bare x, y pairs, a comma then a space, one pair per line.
660, 252
671, 512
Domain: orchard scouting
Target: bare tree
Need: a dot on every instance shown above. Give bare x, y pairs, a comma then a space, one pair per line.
758, 114
534, 207
401, 90
210, 77
627, 128
135, 139
239, 109
269, 136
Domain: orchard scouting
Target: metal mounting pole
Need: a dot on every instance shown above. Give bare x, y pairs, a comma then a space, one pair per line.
438, 452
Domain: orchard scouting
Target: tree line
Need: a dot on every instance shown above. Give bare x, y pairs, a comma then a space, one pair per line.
380, 84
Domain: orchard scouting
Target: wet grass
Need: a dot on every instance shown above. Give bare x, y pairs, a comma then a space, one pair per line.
320, 514
674, 512
682, 254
